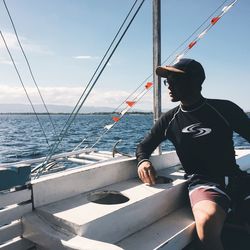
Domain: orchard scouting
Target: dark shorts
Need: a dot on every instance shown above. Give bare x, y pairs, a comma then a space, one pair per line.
234, 197
202, 188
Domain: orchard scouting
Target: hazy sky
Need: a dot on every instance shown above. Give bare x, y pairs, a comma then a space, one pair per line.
65, 39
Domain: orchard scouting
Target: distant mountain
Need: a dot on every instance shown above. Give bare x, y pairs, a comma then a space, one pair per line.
25, 108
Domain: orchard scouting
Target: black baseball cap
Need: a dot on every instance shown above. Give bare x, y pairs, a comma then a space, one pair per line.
189, 67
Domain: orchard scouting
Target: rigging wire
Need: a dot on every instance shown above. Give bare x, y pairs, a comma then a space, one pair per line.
100, 63
29, 67
20, 78
136, 99
194, 32
203, 33
64, 131
174, 51
208, 27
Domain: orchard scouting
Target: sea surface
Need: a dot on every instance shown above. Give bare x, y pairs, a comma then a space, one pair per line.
21, 137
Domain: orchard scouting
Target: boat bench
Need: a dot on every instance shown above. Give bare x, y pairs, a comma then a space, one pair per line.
151, 212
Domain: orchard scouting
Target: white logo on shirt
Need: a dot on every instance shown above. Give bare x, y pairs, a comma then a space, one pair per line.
194, 128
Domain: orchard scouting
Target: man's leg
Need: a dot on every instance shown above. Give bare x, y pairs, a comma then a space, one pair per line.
209, 218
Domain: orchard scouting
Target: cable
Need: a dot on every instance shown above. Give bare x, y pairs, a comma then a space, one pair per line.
189, 37
185, 50
62, 134
29, 67
19, 76
173, 52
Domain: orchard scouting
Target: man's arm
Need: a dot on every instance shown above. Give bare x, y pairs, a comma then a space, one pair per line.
144, 150
240, 122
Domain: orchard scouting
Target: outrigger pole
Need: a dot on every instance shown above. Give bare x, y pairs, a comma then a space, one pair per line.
157, 61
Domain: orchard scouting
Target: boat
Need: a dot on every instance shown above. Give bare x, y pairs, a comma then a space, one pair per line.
101, 206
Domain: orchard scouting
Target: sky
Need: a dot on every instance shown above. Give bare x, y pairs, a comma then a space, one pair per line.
65, 40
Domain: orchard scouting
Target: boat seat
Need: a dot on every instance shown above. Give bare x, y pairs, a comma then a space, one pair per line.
56, 238
143, 206
168, 233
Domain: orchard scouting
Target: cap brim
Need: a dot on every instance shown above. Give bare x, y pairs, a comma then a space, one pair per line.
165, 71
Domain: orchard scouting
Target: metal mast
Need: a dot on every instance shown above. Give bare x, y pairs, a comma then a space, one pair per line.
157, 61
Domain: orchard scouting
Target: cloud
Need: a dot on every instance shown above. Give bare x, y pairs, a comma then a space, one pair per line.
10, 39
86, 57
5, 61
90, 58
67, 96
28, 45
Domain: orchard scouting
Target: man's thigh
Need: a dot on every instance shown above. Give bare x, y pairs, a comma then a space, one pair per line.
209, 191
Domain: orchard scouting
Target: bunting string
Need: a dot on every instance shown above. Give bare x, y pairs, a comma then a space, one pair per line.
129, 104
213, 21
141, 91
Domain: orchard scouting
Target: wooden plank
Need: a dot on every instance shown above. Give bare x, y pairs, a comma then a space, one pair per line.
10, 198
13, 213
10, 231
17, 244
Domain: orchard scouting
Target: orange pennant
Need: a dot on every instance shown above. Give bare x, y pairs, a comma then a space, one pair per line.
191, 45
130, 104
215, 20
116, 119
148, 85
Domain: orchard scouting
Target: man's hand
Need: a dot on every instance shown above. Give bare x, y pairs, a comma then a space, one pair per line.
147, 173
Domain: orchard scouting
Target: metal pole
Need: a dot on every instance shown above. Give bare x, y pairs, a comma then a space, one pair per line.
157, 61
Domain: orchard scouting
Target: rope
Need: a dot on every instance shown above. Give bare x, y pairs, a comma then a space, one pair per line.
172, 53
64, 131
28, 64
194, 32
99, 65
203, 33
20, 78
140, 95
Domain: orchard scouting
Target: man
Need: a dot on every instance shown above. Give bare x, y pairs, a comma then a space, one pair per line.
201, 130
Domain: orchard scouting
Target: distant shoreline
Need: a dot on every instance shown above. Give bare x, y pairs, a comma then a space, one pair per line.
91, 113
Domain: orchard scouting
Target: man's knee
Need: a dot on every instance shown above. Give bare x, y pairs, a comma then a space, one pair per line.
209, 218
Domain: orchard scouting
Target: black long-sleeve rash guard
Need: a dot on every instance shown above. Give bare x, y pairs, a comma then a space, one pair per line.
202, 136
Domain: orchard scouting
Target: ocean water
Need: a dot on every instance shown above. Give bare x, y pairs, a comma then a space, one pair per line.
21, 137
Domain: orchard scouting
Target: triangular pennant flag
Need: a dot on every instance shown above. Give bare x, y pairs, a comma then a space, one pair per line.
191, 45
227, 8
215, 20
202, 34
108, 127
178, 58
124, 111
115, 118
130, 103
148, 85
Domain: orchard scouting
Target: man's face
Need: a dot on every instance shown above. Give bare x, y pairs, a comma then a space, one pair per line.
179, 87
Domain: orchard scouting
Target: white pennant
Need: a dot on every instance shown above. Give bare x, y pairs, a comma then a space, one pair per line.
202, 34
124, 111
108, 127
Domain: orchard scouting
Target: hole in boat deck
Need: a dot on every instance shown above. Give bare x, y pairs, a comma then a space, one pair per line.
107, 197
163, 180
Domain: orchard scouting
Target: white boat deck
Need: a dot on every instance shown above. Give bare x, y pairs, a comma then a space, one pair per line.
65, 216
88, 219
116, 223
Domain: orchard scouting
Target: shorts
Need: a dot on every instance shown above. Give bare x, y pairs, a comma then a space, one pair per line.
204, 188
233, 198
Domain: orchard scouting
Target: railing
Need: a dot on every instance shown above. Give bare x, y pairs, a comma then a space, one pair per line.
15, 201
13, 205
